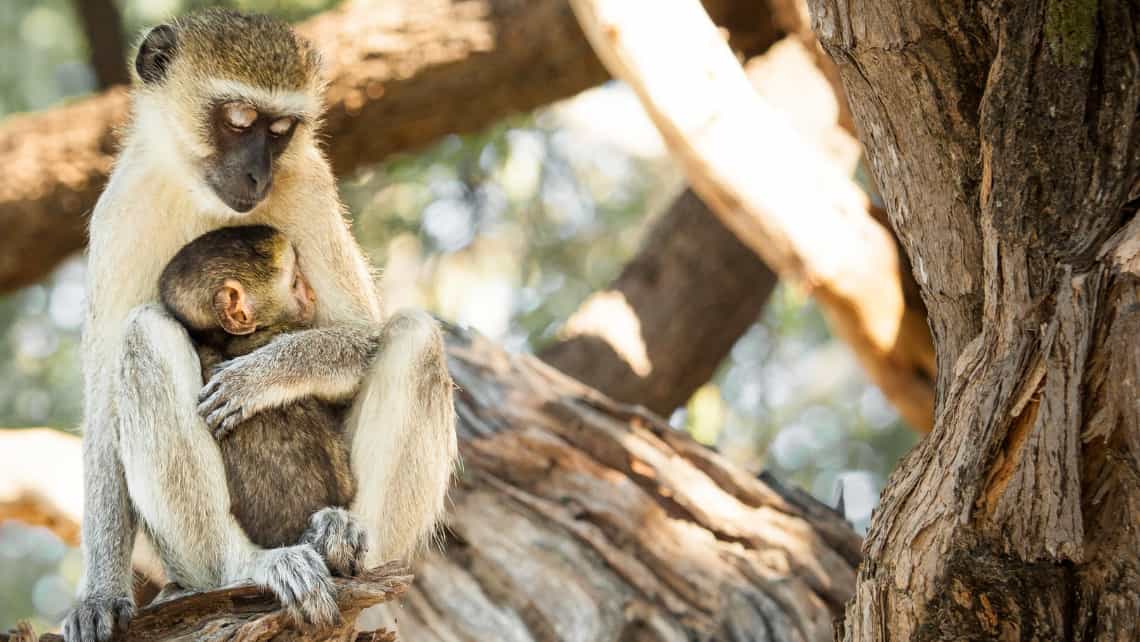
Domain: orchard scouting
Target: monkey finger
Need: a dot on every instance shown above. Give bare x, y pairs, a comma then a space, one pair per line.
104, 625
225, 418
221, 432
213, 404
231, 421
320, 607
87, 625
124, 611
210, 388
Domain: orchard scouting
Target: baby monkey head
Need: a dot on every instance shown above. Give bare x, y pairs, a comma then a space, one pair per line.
238, 279
228, 102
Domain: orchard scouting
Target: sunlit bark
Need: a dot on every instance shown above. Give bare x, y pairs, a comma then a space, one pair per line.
779, 194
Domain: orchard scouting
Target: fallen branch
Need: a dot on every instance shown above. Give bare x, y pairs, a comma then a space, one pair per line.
249, 613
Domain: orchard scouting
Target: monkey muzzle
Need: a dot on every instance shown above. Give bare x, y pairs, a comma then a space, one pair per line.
242, 174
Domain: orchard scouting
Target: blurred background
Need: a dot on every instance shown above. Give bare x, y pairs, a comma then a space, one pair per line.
507, 231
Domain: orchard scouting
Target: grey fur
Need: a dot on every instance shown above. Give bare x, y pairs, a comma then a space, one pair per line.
149, 458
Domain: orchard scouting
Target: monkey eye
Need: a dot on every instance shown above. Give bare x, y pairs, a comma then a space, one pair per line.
239, 115
281, 126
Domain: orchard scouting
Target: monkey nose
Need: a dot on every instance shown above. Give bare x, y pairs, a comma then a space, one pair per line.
256, 181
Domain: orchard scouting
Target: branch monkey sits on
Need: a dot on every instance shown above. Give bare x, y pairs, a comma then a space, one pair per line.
225, 112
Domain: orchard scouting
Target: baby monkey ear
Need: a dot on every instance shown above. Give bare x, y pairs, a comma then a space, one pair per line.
234, 309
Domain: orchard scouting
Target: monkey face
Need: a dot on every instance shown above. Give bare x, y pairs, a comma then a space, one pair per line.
247, 141
219, 95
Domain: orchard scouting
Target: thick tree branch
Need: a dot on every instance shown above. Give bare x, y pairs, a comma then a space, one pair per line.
660, 330
401, 75
576, 517
724, 133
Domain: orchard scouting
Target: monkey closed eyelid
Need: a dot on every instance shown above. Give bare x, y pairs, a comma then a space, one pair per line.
240, 115
282, 126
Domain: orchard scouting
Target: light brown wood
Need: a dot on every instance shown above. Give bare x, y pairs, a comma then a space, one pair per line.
779, 194
250, 614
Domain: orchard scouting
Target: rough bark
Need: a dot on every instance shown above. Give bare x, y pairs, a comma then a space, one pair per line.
723, 134
577, 518
103, 27
251, 614
660, 330
1006, 140
402, 74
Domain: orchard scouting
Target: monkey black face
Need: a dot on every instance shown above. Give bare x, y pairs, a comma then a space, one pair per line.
245, 137
246, 142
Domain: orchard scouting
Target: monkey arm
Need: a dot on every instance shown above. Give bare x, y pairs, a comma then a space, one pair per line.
326, 363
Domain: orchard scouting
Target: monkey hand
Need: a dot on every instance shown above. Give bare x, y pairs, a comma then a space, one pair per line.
299, 578
236, 391
97, 618
339, 538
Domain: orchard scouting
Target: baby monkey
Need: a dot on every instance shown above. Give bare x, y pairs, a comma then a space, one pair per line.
287, 468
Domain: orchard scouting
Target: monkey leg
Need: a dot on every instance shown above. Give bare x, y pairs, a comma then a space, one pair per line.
402, 427
176, 477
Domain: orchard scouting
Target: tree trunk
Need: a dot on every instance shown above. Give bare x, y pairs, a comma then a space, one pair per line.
660, 330
577, 518
1006, 140
103, 28
401, 75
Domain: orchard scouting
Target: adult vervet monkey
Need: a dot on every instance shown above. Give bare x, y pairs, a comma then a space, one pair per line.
225, 111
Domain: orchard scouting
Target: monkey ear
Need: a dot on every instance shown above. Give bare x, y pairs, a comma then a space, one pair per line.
234, 309
155, 53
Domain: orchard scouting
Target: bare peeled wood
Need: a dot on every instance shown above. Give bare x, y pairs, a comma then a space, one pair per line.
250, 614
807, 219
1006, 142
577, 518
